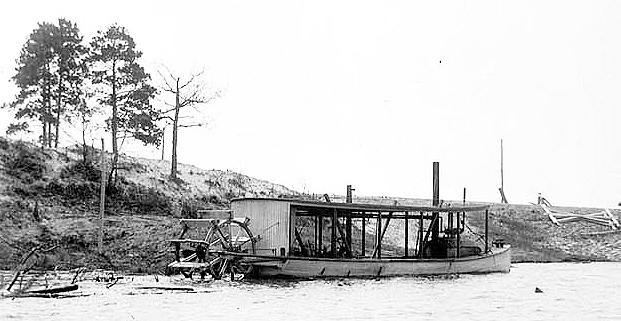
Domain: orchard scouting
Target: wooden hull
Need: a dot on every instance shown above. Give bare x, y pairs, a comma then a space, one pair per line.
304, 267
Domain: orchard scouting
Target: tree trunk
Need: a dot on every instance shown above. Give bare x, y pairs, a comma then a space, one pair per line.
173, 167
58, 111
84, 150
48, 111
44, 135
114, 125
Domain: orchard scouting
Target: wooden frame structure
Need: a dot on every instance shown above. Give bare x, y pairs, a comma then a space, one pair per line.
334, 217
557, 217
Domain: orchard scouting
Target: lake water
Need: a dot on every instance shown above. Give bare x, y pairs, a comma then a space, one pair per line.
571, 291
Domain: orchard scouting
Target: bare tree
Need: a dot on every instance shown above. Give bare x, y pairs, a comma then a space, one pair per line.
187, 93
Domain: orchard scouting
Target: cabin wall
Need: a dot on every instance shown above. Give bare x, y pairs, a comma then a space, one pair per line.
268, 218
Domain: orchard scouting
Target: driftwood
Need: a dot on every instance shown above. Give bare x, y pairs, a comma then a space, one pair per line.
22, 264
171, 288
54, 289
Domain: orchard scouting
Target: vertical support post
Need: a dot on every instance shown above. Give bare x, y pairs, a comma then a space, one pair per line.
464, 199
292, 219
421, 242
102, 198
348, 226
333, 237
407, 231
316, 219
320, 235
486, 229
379, 235
435, 232
502, 179
458, 234
348, 197
364, 233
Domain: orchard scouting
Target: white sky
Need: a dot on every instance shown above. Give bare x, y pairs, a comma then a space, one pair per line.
317, 95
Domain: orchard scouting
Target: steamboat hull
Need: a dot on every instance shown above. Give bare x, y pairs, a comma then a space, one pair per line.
305, 267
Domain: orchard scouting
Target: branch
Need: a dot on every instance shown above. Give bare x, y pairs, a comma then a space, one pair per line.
168, 86
191, 125
193, 76
165, 117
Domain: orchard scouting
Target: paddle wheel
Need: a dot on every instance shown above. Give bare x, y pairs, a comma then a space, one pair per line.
213, 246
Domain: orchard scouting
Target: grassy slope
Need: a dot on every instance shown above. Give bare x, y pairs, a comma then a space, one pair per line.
142, 213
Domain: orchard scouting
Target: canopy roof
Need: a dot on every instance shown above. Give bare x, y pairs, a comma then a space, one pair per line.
363, 207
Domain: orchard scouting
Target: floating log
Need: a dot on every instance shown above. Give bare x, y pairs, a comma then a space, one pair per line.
54, 289
169, 288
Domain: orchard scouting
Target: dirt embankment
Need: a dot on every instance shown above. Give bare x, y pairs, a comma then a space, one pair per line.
51, 197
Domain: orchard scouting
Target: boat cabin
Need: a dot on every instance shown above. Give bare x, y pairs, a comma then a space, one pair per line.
322, 229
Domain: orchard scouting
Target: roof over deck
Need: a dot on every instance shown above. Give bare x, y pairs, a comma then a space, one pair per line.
362, 207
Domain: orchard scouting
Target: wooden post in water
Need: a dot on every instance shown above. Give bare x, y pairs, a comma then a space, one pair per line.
102, 197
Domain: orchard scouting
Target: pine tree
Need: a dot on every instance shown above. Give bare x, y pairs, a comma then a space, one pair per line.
50, 72
125, 90
35, 81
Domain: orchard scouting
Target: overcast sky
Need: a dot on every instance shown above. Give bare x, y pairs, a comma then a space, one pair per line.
317, 95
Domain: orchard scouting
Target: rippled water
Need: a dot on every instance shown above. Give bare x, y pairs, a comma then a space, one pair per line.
571, 291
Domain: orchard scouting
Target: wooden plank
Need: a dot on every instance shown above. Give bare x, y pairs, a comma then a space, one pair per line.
613, 218
189, 265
